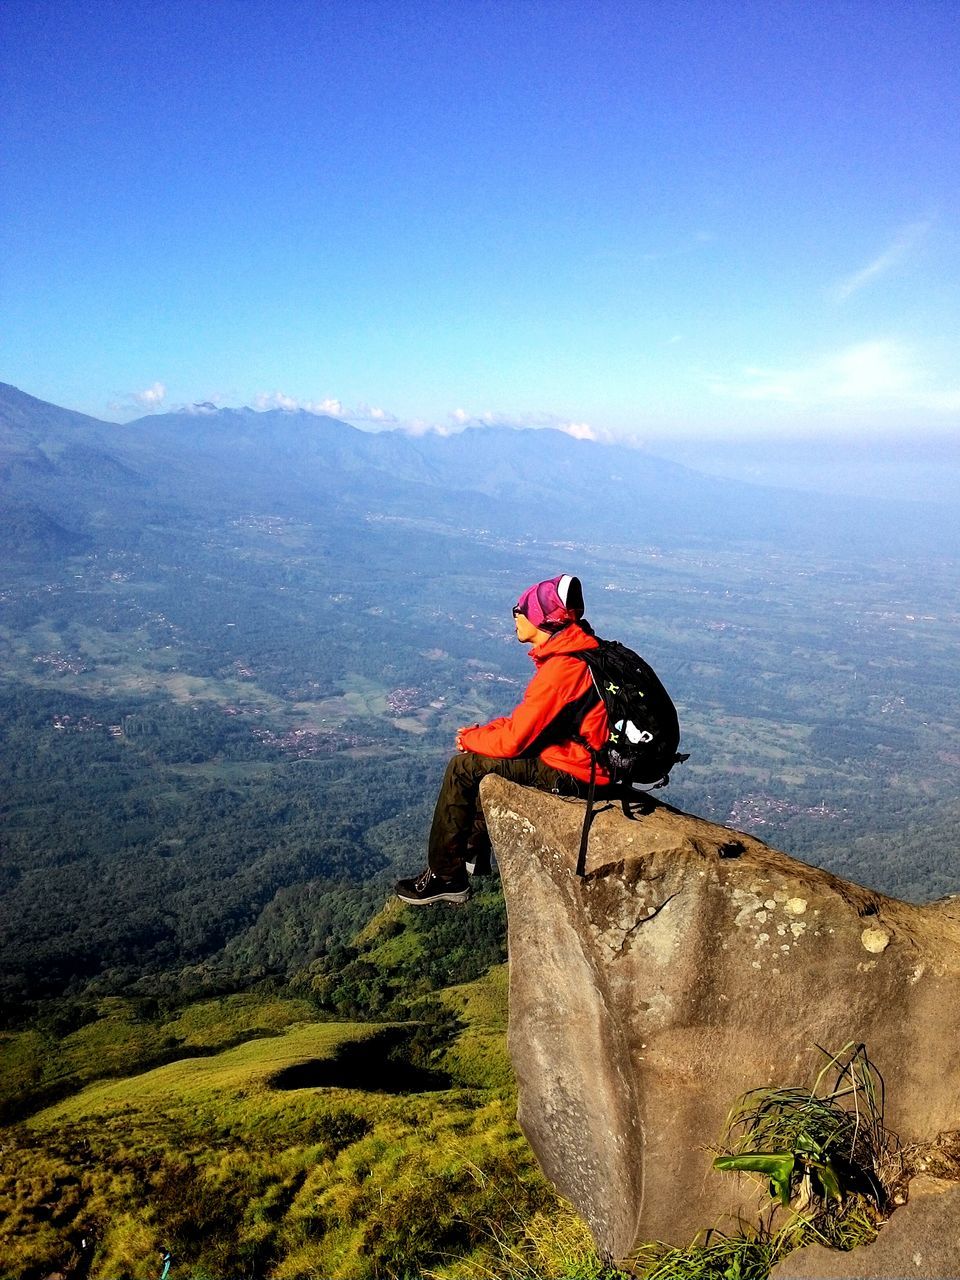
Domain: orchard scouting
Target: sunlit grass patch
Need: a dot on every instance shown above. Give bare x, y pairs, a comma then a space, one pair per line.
110, 1045
552, 1244
422, 1189
478, 1056
216, 1023
119, 1037
482, 1003
248, 1066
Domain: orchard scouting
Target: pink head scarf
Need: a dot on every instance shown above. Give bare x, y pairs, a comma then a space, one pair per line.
552, 604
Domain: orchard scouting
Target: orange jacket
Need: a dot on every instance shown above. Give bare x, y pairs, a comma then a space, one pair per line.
558, 681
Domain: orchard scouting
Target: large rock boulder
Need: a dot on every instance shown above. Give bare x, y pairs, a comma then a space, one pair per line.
693, 963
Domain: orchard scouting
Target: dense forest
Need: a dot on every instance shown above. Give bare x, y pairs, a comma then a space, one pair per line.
189, 741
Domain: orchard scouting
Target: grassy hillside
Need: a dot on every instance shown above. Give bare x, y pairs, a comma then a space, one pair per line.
275, 1146
289, 1155
118, 1037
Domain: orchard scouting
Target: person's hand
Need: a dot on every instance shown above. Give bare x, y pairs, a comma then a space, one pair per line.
458, 743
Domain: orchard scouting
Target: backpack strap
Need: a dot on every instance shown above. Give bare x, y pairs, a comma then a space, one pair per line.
588, 816
571, 722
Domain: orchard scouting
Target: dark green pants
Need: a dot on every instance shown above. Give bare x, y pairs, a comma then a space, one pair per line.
459, 832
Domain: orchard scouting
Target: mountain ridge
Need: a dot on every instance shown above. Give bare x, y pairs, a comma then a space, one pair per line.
514, 481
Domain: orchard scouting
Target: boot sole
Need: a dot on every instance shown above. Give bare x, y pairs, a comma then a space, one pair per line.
458, 895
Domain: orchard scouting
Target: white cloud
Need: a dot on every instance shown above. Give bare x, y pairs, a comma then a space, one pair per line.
459, 419
151, 397
423, 427
274, 400
878, 374
869, 371
904, 241
291, 404
583, 431
329, 406
370, 413
497, 418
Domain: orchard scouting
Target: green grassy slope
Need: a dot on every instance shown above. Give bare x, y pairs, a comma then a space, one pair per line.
118, 1037
478, 1055
243, 1163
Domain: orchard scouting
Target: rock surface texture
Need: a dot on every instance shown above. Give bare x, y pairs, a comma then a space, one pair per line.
922, 1240
693, 963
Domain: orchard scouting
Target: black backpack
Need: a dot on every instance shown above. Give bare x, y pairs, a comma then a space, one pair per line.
644, 729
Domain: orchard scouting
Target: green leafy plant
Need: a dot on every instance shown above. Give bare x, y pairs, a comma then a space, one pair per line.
815, 1148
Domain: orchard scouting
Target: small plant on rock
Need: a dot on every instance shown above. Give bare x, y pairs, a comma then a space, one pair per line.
823, 1152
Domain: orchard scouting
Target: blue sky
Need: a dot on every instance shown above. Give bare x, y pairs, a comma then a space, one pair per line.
645, 219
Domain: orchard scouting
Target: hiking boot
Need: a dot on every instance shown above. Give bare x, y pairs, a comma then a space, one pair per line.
427, 888
478, 862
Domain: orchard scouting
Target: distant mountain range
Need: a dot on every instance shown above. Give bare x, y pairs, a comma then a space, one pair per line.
66, 480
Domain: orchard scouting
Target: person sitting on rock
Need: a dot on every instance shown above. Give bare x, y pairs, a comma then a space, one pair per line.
536, 745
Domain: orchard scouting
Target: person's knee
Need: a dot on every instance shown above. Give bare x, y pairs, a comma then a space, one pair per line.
466, 765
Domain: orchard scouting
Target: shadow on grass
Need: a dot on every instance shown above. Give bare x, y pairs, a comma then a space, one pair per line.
379, 1064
